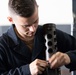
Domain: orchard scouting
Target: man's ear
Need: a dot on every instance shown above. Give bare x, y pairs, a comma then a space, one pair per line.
10, 19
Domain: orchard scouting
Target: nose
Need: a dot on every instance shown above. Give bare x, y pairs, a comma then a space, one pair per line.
32, 28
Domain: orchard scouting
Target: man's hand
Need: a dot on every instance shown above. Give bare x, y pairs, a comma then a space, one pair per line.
38, 66
58, 59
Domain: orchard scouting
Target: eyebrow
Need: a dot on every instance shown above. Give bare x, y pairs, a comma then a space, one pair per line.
33, 22
30, 24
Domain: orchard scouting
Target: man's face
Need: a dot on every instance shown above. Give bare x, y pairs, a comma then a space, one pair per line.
26, 27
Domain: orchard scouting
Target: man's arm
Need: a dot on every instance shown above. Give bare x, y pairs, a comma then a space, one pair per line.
66, 54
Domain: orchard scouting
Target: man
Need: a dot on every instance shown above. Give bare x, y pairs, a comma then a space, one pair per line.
22, 46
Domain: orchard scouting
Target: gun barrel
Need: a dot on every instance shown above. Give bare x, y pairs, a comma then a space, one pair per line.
50, 45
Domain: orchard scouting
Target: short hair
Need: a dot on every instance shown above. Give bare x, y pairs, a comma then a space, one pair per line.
24, 8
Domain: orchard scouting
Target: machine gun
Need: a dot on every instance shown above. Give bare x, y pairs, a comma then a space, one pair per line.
50, 46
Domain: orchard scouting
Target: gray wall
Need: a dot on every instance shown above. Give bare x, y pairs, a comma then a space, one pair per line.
65, 28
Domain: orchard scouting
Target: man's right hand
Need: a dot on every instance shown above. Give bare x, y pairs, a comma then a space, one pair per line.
38, 66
